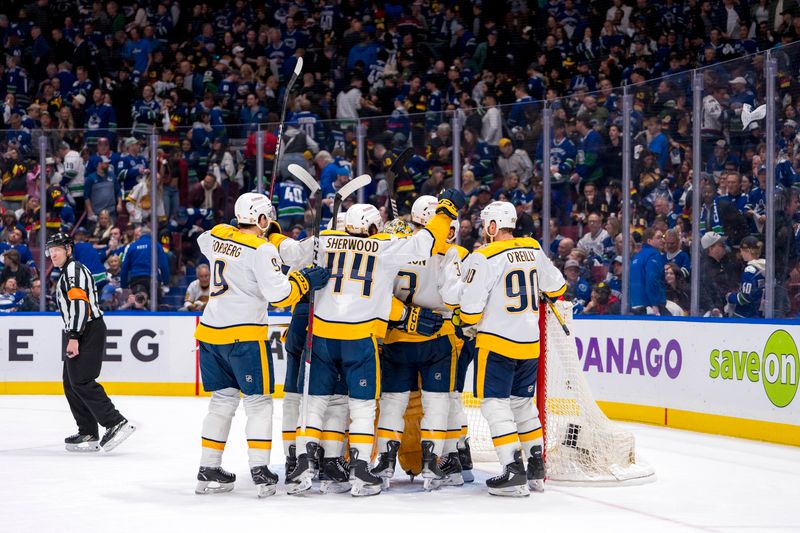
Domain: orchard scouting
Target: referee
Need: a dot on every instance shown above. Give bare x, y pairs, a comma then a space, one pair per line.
76, 294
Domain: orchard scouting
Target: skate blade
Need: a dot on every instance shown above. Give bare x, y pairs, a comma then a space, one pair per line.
386, 483
301, 484
359, 488
518, 491
124, 432
86, 447
334, 487
468, 476
453, 480
264, 490
536, 485
206, 487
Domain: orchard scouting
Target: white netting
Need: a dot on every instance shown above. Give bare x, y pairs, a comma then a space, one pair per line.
581, 444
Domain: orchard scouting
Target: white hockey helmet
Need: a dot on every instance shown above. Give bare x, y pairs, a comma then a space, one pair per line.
250, 206
454, 225
503, 214
360, 218
340, 221
423, 209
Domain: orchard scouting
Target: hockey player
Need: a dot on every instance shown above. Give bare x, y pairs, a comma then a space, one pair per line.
350, 315
409, 358
234, 345
500, 302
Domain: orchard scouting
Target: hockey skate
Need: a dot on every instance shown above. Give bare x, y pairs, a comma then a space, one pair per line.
265, 480
387, 461
432, 475
299, 481
334, 476
451, 466
116, 435
213, 479
513, 480
291, 463
465, 458
535, 471
362, 481
82, 443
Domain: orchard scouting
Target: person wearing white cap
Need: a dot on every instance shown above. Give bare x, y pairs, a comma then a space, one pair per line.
716, 276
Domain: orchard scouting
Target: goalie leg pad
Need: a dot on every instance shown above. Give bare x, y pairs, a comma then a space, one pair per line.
362, 426
500, 417
410, 454
217, 425
335, 426
435, 407
258, 428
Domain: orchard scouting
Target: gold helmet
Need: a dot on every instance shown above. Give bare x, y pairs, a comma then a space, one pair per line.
398, 227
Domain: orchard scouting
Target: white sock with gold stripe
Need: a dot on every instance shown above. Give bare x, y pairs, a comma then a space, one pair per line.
258, 429
317, 405
362, 426
391, 422
217, 424
335, 426
290, 420
433, 427
498, 413
529, 426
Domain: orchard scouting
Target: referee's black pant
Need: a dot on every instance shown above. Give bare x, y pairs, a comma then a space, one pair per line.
87, 399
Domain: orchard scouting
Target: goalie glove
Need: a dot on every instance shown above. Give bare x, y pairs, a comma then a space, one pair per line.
420, 321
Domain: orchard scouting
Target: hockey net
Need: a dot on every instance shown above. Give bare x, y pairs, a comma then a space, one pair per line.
582, 446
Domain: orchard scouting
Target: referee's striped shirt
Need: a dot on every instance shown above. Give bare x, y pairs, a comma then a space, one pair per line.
77, 297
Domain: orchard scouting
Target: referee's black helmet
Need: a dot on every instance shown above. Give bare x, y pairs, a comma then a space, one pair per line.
59, 239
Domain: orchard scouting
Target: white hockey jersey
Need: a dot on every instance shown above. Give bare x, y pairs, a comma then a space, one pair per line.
74, 169
500, 294
245, 277
357, 301
428, 283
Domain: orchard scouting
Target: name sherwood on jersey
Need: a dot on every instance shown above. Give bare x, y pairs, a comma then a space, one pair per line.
353, 243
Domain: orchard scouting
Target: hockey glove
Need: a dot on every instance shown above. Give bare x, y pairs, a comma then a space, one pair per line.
273, 227
450, 202
422, 321
312, 278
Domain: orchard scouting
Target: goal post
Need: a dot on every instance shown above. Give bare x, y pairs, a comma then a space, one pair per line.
581, 445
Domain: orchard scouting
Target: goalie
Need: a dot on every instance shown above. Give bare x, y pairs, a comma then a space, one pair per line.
499, 304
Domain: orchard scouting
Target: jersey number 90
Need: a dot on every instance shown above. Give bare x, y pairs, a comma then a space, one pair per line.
523, 288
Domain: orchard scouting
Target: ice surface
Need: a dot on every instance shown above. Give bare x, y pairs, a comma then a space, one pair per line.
146, 485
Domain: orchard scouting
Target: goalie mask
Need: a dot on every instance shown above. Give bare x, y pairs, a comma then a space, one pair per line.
360, 218
398, 227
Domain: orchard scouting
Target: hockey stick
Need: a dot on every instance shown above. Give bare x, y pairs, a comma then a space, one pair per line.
560, 318
297, 68
347, 189
396, 168
302, 174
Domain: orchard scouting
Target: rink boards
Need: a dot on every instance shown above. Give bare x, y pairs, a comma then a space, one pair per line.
731, 377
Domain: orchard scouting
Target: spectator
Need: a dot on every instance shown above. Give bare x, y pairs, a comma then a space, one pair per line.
197, 293
84, 252
594, 241
588, 166
674, 252
10, 297
136, 265
602, 302
208, 195
514, 161
491, 130
30, 304
715, 274
648, 294
14, 241
677, 289
746, 302
578, 289
14, 269
138, 301
102, 191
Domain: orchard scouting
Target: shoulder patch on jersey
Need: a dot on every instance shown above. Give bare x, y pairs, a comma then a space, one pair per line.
498, 247
462, 252
750, 269
333, 232
385, 237
226, 232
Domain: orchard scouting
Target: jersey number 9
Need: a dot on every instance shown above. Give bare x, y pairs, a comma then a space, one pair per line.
220, 285
523, 288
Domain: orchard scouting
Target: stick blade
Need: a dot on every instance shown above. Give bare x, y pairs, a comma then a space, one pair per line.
354, 184
298, 67
307, 179
402, 160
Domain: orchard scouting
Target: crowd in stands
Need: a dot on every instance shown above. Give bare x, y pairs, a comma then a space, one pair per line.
95, 79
